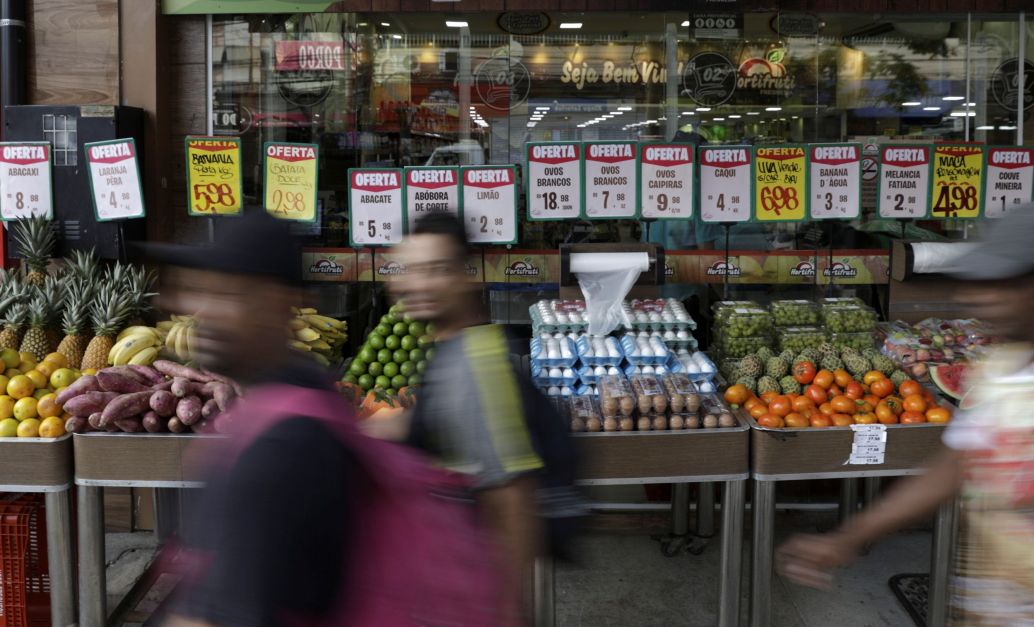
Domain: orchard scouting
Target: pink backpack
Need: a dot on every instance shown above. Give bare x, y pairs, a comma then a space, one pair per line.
419, 556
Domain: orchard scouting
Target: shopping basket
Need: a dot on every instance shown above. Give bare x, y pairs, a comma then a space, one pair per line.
24, 577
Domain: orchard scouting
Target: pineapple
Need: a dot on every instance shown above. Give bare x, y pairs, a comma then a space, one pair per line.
108, 313
139, 284
14, 325
35, 241
35, 340
81, 265
55, 303
75, 320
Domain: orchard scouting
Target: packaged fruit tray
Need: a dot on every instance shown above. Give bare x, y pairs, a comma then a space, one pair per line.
797, 339
721, 309
600, 351
848, 319
659, 314
840, 301
737, 347
746, 322
794, 313
859, 341
35, 462
553, 352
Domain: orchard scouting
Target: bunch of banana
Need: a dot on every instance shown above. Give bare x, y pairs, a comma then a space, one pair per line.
321, 337
179, 341
137, 345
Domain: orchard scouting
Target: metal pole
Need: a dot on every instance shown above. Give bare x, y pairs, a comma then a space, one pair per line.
13, 38
93, 609
1020, 79
871, 489
761, 573
705, 510
969, 47
463, 81
680, 509
941, 564
545, 592
166, 512
848, 498
671, 88
60, 558
732, 553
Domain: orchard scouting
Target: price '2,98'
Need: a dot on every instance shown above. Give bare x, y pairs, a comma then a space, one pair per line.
285, 202
210, 195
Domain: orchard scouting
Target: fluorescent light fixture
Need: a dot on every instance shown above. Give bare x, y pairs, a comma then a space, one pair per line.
931, 108
531, 124
911, 103
688, 113
735, 117
1007, 128
718, 120
613, 113
385, 24
753, 113
396, 36
703, 109
794, 117
985, 128
782, 119
953, 98
624, 108
363, 24
971, 104
455, 24
773, 108
963, 114
570, 25
686, 23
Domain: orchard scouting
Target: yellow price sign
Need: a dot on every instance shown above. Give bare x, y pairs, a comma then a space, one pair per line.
214, 185
958, 172
780, 183
291, 180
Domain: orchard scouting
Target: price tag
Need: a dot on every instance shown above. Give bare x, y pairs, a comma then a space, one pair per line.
904, 187
726, 184
490, 203
957, 181
554, 172
375, 214
611, 186
666, 181
835, 181
291, 180
115, 180
431, 190
214, 176
25, 188
869, 445
780, 184
1009, 180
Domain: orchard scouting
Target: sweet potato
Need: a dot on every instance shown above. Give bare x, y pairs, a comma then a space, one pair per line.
95, 420
221, 392
90, 402
163, 403
182, 387
176, 426
164, 385
210, 408
116, 382
151, 375
188, 410
215, 376
153, 423
85, 383
77, 424
126, 371
125, 406
173, 369
130, 425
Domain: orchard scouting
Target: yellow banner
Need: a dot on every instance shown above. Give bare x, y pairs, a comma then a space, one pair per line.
291, 180
780, 191
214, 185
958, 172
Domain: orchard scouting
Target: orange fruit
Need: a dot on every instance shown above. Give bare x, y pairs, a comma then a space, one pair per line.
56, 360
20, 386
821, 421
768, 396
39, 380
25, 408
52, 427
816, 393
915, 403
873, 376
737, 394
843, 405
45, 369
909, 387
794, 420
28, 428
823, 379
842, 420
866, 418
771, 421
912, 417
758, 411
780, 406
6, 407
826, 409
938, 414
62, 378
842, 377
882, 387
47, 406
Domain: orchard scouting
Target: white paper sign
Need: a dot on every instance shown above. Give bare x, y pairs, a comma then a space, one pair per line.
375, 206
1009, 181
554, 174
611, 185
835, 181
115, 180
904, 188
666, 181
431, 190
869, 445
25, 188
490, 204
725, 184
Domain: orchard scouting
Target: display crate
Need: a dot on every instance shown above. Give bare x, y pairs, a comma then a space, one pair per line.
24, 576
141, 460
36, 464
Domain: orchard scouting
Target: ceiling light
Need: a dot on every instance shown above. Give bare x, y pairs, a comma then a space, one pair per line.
912, 103
971, 104
794, 117
1007, 128
452, 24
735, 117
363, 24
782, 119
570, 25
931, 108
958, 114
753, 113
686, 23
396, 36
385, 24
703, 109
624, 108
718, 120
985, 128
952, 98
773, 108
613, 113
688, 113
531, 124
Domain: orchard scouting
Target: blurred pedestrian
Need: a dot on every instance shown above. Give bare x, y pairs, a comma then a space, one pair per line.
989, 458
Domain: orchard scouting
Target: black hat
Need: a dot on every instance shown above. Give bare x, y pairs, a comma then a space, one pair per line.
1004, 251
254, 244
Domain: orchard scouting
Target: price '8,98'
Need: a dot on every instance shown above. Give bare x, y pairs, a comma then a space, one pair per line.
954, 198
210, 195
285, 202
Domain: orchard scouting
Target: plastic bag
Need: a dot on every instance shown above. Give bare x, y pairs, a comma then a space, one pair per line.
605, 279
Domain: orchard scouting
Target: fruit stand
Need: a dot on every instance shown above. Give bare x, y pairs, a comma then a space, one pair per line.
44, 465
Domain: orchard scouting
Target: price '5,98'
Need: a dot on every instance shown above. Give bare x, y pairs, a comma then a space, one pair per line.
211, 195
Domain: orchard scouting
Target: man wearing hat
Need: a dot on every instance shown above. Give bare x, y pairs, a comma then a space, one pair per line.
989, 455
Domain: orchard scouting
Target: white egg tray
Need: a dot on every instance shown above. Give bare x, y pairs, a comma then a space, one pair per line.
651, 352
550, 376
553, 391
590, 353
591, 374
553, 352
632, 369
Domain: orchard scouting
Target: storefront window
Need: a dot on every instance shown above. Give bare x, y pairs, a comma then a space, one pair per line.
404, 89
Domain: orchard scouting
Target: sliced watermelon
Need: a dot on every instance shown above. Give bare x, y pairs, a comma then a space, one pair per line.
971, 400
950, 379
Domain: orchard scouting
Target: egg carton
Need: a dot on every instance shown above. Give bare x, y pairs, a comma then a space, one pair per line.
696, 366
553, 391
587, 390
591, 374
589, 351
632, 369
641, 351
659, 314
554, 352
553, 376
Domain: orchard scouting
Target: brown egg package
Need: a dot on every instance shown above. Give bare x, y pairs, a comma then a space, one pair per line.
649, 393
585, 415
616, 398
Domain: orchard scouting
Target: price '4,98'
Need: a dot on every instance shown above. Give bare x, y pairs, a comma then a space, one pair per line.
208, 196
954, 198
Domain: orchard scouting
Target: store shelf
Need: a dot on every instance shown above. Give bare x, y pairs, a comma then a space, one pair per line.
720, 454
141, 460
35, 464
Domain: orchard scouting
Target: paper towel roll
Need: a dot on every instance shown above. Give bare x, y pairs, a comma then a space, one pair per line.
609, 262
937, 257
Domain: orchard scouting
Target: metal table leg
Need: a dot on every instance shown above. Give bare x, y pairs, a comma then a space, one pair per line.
732, 553
545, 592
848, 498
59, 558
680, 509
92, 579
941, 563
871, 489
705, 510
764, 541
166, 512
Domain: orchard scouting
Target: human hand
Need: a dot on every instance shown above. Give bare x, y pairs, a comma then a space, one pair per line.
809, 559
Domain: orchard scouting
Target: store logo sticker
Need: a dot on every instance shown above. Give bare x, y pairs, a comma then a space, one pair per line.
326, 266
803, 269
502, 82
721, 268
470, 269
392, 268
768, 75
840, 269
521, 268
669, 270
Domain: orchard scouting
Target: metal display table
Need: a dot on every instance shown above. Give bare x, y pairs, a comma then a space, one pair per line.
678, 457
107, 460
809, 454
44, 465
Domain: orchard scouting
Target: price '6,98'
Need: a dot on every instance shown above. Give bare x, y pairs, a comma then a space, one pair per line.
210, 195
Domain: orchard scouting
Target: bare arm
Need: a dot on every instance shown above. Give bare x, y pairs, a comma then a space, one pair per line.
807, 559
511, 513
